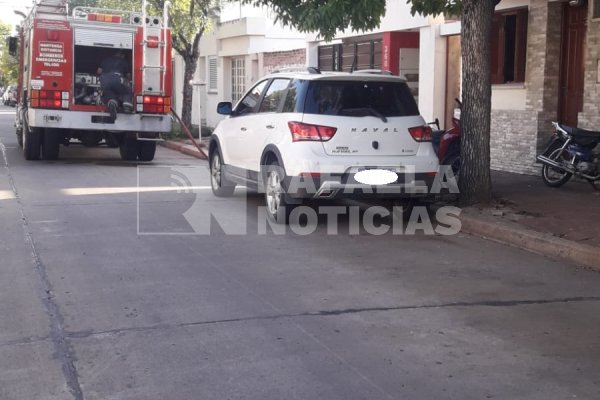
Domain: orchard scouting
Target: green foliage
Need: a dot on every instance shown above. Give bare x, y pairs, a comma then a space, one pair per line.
326, 16
435, 7
187, 18
9, 65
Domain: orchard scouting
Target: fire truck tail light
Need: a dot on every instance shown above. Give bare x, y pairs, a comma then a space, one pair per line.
49, 99
153, 104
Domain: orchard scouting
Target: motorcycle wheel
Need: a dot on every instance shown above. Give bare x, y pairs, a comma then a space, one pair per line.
453, 161
553, 176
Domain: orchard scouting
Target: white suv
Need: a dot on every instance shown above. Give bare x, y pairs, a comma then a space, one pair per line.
303, 135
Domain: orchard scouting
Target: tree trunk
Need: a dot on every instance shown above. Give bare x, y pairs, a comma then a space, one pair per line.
475, 182
188, 90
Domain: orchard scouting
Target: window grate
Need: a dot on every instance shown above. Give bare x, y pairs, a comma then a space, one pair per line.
596, 9
212, 74
238, 78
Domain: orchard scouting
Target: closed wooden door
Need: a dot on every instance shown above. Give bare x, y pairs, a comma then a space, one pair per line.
572, 63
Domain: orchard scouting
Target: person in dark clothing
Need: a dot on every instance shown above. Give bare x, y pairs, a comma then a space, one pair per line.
113, 71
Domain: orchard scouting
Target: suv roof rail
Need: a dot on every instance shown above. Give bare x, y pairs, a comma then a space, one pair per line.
311, 70
373, 71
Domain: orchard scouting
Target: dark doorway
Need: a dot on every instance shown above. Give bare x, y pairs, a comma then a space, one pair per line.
570, 101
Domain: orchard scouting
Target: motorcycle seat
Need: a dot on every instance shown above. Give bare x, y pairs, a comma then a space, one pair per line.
582, 136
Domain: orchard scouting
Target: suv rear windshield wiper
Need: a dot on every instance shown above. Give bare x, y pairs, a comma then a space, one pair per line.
363, 112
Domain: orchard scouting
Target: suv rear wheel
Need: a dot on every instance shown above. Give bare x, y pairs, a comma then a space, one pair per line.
221, 187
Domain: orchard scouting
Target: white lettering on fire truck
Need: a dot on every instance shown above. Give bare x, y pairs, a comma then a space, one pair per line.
51, 54
37, 84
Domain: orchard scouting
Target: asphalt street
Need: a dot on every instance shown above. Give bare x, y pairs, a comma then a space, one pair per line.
112, 287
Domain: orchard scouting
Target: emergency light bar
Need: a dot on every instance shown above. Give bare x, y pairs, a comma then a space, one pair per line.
104, 18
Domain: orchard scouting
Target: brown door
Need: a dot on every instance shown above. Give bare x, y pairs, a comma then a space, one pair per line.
572, 63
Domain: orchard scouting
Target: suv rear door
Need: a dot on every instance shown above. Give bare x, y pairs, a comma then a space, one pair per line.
371, 116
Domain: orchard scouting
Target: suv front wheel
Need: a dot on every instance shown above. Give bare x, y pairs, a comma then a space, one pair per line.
221, 187
279, 207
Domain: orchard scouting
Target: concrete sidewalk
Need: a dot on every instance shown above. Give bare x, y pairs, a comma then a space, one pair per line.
561, 222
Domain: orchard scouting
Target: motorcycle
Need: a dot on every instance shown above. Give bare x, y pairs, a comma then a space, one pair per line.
446, 144
571, 152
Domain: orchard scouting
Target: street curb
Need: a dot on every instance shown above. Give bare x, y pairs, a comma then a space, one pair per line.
537, 242
184, 149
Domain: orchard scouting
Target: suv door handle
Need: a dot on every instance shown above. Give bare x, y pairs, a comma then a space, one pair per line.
270, 127
243, 129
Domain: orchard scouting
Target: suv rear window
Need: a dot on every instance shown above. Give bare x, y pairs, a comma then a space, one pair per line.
360, 98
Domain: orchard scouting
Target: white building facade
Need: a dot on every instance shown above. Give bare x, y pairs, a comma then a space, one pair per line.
246, 44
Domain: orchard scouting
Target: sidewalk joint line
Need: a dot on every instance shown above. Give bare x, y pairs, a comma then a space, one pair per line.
327, 313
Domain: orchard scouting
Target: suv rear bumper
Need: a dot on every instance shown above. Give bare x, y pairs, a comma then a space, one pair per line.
344, 186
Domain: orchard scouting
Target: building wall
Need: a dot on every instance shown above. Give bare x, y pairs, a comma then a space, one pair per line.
284, 59
522, 113
590, 117
242, 31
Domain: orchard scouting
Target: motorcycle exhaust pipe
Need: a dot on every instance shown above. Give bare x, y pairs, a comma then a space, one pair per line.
548, 161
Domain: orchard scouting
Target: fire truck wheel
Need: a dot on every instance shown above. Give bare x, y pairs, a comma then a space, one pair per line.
51, 144
32, 143
146, 150
111, 140
129, 149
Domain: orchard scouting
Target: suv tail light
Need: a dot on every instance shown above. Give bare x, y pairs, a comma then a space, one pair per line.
421, 133
306, 132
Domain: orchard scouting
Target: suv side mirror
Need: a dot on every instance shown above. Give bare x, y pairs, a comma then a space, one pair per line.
13, 45
225, 108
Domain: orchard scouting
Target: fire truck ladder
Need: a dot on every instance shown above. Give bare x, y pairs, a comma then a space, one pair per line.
162, 45
51, 7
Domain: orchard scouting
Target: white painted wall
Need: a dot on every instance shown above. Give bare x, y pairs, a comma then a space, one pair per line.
432, 75
241, 31
509, 97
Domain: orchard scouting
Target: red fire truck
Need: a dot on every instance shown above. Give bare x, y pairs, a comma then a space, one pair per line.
59, 92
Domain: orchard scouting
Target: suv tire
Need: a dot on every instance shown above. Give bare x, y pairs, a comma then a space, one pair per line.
221, 187
279, 207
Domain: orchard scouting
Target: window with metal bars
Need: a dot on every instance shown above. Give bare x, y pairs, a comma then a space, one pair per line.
238, 78
350, 56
